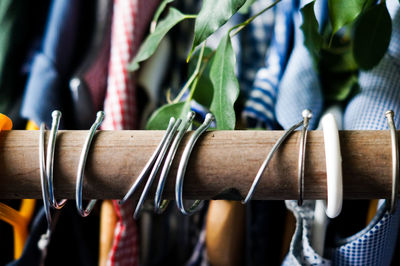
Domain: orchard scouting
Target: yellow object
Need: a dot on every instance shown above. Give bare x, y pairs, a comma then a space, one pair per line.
225, 232
373, 207
108, 220
19, 220
31, 125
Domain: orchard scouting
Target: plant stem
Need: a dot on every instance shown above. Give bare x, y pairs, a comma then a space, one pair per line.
203, 67
242, 25
154, 23
190, 16
193, 76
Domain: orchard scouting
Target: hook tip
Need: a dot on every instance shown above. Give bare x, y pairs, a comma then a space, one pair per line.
389, 113
99, 116
190, 115
209, 117
307, 113
56, 114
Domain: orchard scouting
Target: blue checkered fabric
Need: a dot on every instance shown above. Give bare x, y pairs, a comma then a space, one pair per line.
372, 246
379, 86
379, 92
300, 251
375, 244
259, 108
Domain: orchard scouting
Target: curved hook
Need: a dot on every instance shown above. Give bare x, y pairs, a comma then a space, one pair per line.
395, 160
268, 159
45, 238
334, 173
149, 163
307, 115
43, 177
156, 167
159, 206
81, 168
56, 115
183, 165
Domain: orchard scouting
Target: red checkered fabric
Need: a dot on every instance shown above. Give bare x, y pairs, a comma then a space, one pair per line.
130, 22
125, 249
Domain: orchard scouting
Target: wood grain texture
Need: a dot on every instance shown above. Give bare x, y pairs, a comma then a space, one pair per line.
221, 160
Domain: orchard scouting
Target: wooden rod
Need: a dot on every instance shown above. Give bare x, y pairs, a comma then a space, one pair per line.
223, 164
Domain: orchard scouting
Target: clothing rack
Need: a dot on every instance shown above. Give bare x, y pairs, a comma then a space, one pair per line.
222, 165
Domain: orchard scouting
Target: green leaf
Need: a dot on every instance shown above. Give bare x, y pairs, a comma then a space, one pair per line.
225, 84
204, 90
160, 9
245, 8
213, 14
372, 34
160, 118
343, 12
338, 59
152, 41
312, 38
338, 87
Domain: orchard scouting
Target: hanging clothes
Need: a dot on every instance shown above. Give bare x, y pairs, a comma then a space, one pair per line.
300, 87
53, 64
68, 24
130, 22
375, 244
260, 105
89, 82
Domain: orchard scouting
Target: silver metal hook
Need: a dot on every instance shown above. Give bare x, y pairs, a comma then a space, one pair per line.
159, 206
81, 168
268, 159
307, 115
43, 178
149, 163
395, 160
156, 167
183, 165
45, 238
56, 115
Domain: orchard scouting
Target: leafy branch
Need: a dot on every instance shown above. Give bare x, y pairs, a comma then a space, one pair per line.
214, 71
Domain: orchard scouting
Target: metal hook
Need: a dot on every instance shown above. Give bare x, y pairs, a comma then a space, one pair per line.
45, 238
307, 115
156, 167
159, 206
43, 178
395, 160
56, 115
268, 159
149, 163
183, 165
81, 168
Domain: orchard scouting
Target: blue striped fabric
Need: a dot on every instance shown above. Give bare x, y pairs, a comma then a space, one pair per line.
254, 42
259, 108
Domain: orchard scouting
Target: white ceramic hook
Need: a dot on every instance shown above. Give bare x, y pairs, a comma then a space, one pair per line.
333, 166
